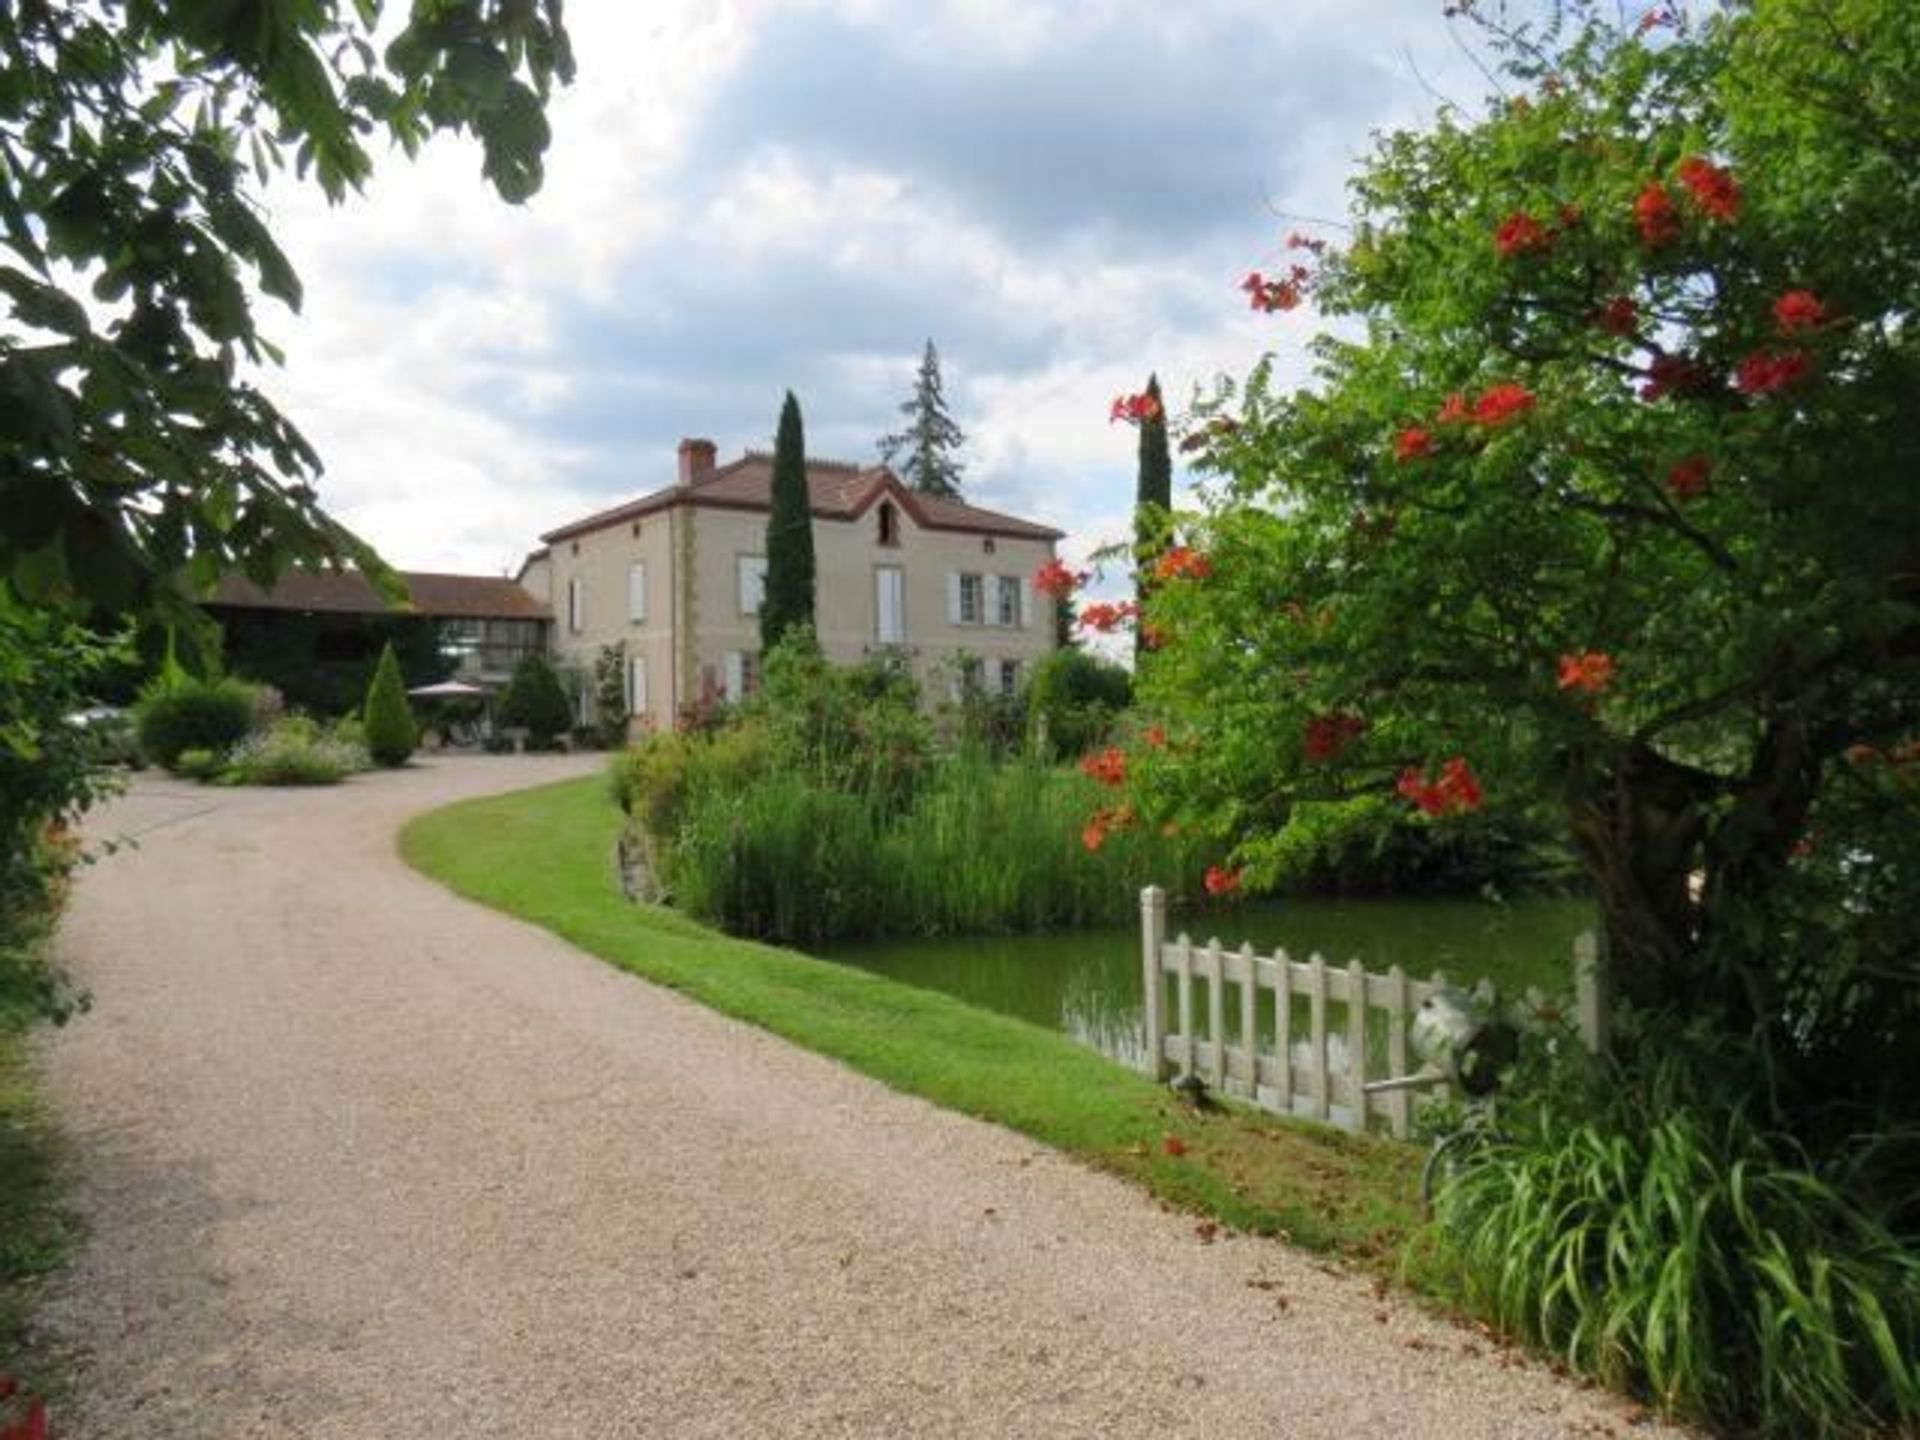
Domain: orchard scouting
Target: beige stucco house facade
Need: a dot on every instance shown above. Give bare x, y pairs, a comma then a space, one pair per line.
676, 576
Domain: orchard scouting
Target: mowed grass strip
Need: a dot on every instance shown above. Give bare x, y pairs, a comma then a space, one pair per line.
547, 856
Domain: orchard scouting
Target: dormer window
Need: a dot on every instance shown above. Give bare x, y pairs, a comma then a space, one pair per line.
889, 523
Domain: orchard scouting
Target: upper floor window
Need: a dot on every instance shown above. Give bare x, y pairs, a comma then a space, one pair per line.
751, 582
889, 523
889, 605
1007, 593
967, 596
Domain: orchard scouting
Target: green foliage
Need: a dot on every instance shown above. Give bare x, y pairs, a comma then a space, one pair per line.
198, 764
1076, 698
391, 733
324, 663
1651, 1237
187, 713
857, 729
1426, 567
133, 453
790, 579
1371, 845
931, 439
47, 669
294, 751
535, 700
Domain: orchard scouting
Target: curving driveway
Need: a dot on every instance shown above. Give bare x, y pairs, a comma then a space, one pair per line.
359, 1159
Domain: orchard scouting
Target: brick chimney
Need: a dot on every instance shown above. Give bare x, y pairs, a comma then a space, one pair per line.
696, 462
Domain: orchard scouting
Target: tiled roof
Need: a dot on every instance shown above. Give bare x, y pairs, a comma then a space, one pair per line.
348, 592
836, 491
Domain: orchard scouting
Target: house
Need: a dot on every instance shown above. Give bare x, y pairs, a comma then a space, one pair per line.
317, 634
676, 576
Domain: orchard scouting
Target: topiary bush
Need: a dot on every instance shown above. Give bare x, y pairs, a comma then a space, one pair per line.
536, 701
391, 732
184, 713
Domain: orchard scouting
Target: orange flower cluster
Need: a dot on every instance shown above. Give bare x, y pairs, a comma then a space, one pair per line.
1413, 443
1056, 581
1765, 371
1180, 563
1687, 480
1799, 311
1108, 766
1455, 791
1104, 822
1521, 234
1327, 735
1588, 671
1221, 882
1134, 409
1106, 618
1268, 295
1618, 316
1714, 190
1654, 213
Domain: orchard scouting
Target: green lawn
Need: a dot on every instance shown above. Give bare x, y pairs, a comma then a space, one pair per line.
546, 856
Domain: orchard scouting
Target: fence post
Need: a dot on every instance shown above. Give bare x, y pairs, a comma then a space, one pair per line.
1589, 997
1153, 939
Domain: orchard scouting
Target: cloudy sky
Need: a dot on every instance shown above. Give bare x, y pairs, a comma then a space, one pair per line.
749, 195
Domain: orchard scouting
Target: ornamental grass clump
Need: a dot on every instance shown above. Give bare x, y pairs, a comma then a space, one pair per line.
1677, 1249
295, 751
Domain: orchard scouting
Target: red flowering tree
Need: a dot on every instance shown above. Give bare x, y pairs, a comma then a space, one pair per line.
1606, 493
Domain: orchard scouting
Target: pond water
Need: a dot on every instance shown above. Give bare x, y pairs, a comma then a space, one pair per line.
1087, 983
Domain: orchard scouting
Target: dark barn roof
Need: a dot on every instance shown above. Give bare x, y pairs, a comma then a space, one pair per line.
348, 592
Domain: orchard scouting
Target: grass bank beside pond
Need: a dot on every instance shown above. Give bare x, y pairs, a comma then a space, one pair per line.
546, 856
34, 1234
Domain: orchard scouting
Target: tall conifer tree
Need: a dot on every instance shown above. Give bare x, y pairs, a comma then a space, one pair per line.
931, 440
1154, 496
788, 600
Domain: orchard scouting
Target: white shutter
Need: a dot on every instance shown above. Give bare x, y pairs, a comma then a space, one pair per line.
636, 592
751, 582
576, 606
1026, 601
736, 675
953, 597
890, 620
636, 685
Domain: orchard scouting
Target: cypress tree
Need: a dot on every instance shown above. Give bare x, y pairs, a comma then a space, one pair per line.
390, 728
931, 438
1153, 497
788, 600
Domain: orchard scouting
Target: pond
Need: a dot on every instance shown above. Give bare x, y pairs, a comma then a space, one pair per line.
1087, 983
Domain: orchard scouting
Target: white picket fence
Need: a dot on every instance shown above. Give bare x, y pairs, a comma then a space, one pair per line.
1318, 1072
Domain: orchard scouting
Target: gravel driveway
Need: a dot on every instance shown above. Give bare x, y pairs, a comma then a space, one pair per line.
359, 1159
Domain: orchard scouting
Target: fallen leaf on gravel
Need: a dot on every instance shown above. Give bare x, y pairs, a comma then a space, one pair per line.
1418, 1342
989, 1212
1206, 1231
1380, 1317
1173, 1145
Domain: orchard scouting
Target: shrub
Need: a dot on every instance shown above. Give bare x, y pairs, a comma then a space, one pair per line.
535, 701
390, 730
184, 713
1073, 700
294, 752
198, 764
1664, 1243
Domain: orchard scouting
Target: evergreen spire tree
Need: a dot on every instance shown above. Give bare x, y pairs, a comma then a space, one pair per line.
788, 600
1154, 496
931, 439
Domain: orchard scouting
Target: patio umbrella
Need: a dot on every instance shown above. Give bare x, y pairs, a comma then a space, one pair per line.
450, 690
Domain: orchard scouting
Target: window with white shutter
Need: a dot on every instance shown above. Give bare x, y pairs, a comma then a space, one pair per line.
743, 674
636, 685
751, 577
889, 605
576, 605
969, 600
636, 592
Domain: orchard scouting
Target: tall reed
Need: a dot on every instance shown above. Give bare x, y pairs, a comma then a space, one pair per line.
979, 847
